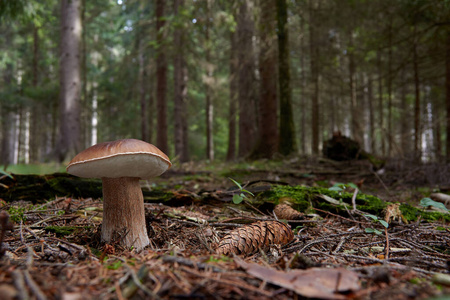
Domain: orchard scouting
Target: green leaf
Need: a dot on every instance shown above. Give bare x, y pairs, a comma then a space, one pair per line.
384, 223
335, 188
6, 174
352, 185
425, 202
248, 192
375, 218
236, 183
372, 230
237, 199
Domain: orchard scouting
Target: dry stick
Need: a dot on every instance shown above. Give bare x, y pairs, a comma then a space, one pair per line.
19, 283
338, 216
387, 243
33, 286
354, 200
222, 280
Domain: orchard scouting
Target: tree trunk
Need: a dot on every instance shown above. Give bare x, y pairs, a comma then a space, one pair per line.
267, 142
36, 112
70, 80
390, 130
208, 90
246, 81
380, 104
371, 113
314, 54
161, 80
287, 127
231, 152
417, 138
142, 90
303, 88
447, 95
405, 135
354, 107
180, 90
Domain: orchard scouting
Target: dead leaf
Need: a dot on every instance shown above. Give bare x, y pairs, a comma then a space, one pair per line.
323, 283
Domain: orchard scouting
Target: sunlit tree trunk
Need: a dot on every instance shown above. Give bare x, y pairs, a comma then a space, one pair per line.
36, 111
267, 142
405, 135
70, 80
161, 80
180, 90
287, 128
246, 80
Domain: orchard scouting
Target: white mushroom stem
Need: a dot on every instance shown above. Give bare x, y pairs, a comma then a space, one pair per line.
123, 212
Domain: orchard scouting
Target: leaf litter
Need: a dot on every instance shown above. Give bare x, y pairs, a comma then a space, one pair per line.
54, 251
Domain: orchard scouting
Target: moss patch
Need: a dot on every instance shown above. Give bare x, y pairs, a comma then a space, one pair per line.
303, 197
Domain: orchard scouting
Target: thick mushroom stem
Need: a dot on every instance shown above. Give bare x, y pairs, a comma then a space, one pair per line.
123, 212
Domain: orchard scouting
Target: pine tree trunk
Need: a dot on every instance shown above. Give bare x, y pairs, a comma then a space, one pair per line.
231, 152
180, 89
246, 80
380, 105
287, 127
267, 142
417, 133
354, 110
447, 95
70, 80
208, 91
142, 90
161, 81
314, 54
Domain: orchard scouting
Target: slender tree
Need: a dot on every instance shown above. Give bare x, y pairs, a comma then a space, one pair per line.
287, 127
161, 80
180, 87
70, 80
231, 152
447, 94
267, 143
246, 79
314, 56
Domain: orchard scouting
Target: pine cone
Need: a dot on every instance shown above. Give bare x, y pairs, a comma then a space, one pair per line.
284, 211
248, 239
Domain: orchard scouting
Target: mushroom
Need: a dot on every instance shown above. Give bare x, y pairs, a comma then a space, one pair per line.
120, 164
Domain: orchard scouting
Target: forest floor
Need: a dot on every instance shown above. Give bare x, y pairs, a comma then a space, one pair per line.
52, 249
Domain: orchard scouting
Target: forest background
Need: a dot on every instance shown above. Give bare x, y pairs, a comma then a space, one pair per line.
216, 79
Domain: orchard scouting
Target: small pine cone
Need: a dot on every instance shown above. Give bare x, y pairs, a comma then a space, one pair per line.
284, 211
248, 239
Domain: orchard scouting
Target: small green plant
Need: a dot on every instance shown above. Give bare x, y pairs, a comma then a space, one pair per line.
375, 219
238, 198
425, 202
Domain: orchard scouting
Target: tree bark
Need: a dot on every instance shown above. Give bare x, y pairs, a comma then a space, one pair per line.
246, 81
267, 142
447, 95
417, 138
314, 54
231, 152
180, 90
380, 104
70, 80
208, 90
287, 128
161, 81
355, 111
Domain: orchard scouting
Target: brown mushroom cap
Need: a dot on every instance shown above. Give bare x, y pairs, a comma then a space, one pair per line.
121, 158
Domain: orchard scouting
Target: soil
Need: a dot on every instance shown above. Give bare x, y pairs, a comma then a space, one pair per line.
52, 249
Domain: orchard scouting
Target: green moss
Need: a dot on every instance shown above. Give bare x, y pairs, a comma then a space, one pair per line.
303, 197
411, 213
62, 230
